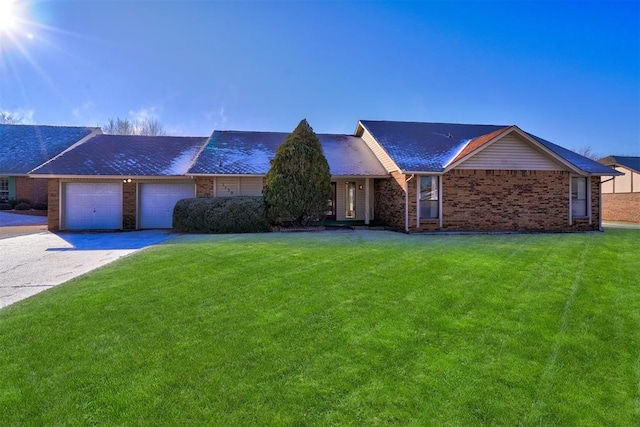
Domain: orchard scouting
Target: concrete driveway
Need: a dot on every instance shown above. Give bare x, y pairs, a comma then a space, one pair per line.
36, 260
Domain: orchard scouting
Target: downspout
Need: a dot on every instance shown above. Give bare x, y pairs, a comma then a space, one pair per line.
406, 203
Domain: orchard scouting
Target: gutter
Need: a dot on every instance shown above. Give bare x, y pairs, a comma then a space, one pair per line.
406, 203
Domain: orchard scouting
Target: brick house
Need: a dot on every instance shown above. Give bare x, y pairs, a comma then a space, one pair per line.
415, 177
133, 182
458, 177
25, 147
621, 194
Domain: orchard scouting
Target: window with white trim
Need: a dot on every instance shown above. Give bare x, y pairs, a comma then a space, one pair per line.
4, 188
579, 197
350, 200
429, 197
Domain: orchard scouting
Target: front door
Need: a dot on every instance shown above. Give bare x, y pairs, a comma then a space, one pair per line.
331, 210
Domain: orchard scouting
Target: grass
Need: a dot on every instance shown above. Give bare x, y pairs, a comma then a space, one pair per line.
366, 328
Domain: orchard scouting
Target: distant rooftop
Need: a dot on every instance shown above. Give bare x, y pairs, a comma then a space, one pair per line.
25, 147
629, 162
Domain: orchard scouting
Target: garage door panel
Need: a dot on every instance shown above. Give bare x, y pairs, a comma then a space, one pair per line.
158, 200
93, 206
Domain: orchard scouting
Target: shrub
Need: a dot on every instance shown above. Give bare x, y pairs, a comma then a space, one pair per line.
41, 207
245, 214
5, 206
22, 206
298, 185
16, 202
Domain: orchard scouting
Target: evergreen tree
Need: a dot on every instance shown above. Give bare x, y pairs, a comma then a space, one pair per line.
298, 185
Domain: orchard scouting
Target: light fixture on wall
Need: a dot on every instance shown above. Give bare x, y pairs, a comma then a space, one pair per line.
126, 180
360, 187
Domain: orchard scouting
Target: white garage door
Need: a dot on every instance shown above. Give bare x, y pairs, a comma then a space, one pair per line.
158, 200
93, 206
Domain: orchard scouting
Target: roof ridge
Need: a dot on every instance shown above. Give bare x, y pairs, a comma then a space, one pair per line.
50, 126
433, 123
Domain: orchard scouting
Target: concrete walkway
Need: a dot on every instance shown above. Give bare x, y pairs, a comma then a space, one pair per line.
32, 263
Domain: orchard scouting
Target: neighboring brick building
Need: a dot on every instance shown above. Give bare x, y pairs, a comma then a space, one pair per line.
621, 195
413, 177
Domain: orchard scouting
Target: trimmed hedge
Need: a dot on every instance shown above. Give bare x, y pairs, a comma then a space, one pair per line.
5, 207
22, 206
244, 214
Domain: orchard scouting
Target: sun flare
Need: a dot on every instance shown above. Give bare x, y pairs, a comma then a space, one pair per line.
8, 16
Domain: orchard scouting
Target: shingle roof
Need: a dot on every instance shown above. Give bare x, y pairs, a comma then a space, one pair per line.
424, 147
626, 161
581, 162
430, 147
127, 155
250, 153
25, 147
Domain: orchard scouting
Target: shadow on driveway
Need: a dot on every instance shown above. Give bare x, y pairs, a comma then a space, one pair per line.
12, 219
112, 240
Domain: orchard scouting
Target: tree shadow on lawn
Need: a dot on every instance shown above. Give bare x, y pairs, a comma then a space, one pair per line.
87, 241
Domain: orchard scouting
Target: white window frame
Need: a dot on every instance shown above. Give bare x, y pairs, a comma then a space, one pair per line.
418, 216
4, 183
587, 199
350, 213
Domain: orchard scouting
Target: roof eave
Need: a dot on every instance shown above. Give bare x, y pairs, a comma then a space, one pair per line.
138, 177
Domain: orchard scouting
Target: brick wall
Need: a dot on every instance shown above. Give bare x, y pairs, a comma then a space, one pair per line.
32, 189
129, 203
621, 207
389, 204
204, 186
53, 212
490, 200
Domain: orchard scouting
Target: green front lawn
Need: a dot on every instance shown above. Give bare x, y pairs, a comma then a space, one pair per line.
336, 328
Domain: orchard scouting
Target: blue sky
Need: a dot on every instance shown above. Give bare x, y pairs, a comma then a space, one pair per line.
568, 72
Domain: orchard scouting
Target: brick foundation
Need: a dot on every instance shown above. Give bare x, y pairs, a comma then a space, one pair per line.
489, 200
623, 207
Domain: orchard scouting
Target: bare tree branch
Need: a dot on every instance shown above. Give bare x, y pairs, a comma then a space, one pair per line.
7, 119
588, 153
143, 126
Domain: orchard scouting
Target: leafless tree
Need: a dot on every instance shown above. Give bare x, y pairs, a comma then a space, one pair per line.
7, 118
143, 126
588, 152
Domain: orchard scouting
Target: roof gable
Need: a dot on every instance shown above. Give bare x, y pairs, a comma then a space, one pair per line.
508, 149
25, 147
436, 147
425, 147
127, 155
